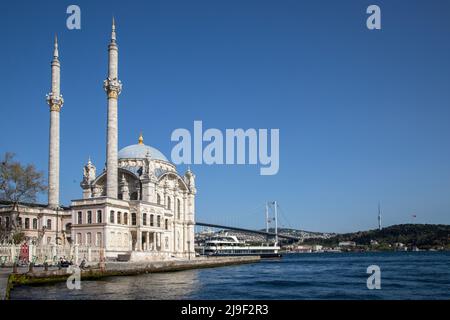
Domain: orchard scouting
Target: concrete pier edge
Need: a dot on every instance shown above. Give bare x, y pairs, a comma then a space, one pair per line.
123, 269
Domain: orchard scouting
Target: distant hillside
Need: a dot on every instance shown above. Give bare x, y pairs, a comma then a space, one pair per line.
420, 235
302, 234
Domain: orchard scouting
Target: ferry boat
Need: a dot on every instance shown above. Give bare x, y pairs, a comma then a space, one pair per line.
226, 245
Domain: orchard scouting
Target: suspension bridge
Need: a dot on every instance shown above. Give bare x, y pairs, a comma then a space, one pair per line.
268, 219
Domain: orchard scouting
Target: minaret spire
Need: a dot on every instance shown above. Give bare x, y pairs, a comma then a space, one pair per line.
113, 30
55, 50
113, 87
55, 101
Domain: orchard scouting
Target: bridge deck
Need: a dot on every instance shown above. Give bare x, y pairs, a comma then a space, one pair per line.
204, 224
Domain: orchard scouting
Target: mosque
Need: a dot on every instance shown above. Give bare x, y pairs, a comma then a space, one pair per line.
138, 206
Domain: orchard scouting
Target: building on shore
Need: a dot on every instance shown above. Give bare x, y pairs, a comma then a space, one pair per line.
138, 205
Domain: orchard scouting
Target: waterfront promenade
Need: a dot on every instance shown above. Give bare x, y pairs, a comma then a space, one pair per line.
53, 274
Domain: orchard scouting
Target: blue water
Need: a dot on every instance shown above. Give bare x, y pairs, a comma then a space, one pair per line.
404, 275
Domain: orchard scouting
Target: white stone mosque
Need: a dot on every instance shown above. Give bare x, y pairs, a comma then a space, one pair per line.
138, 206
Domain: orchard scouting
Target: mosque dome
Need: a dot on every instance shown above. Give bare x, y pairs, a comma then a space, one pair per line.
140, 151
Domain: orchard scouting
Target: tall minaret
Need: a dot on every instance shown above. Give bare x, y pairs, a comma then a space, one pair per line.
113, 87
55, 101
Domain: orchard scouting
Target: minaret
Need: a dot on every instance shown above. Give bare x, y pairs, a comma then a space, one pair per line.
113, 87
55, 101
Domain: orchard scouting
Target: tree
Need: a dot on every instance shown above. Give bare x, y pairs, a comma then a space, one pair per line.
19, 183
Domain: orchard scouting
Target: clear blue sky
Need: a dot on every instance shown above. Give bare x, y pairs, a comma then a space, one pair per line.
364, 116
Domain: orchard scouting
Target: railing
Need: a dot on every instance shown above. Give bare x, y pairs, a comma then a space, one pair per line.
50, 254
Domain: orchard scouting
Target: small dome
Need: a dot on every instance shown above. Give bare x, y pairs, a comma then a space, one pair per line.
140, 151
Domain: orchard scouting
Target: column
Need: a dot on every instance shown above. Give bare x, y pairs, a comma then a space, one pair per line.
139, 240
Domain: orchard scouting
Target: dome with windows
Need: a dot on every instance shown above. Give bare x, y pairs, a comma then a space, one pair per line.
141, 151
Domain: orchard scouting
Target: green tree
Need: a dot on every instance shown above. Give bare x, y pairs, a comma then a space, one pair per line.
19, 183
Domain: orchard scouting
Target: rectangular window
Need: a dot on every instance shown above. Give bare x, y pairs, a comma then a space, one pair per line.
80, 217
79, 238
98, 241
158, 221
89, 217
111, 217
27, 223
35, 224
88, 239
99, 216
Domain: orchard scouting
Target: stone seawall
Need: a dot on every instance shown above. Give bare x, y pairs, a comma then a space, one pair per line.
120, 269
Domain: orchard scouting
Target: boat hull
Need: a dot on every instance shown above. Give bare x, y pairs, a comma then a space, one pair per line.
262, 255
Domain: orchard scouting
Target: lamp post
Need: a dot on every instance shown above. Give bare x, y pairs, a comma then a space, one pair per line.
57, 223
189, 249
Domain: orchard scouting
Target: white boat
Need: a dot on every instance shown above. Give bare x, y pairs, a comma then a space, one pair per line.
225, 245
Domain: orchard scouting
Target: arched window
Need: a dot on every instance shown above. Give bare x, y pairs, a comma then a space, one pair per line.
169, 204
80, 217
35, 224
111, 216
144, 219
119, 217
158, 221
178, 208
133, 219
49, 224
27, 223
152, 223
158, 198
125, 218
99, 216
89, 217
166, 224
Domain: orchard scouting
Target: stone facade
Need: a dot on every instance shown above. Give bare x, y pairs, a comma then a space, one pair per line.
39, 223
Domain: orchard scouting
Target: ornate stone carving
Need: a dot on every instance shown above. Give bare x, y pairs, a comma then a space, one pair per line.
55, 101
113, 87
89, 172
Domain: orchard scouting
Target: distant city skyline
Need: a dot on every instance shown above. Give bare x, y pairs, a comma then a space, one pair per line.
363, 115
